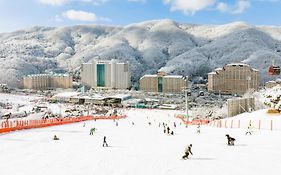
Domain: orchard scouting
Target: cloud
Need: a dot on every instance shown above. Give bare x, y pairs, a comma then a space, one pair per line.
223, 7
62, 2
241, 6
54, 2
189, 6
237, 8
80, 16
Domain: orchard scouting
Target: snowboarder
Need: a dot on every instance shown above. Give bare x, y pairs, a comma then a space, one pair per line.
230, 140
92, 130
249, 129
104, 142
55, 137
187, 152
198, 129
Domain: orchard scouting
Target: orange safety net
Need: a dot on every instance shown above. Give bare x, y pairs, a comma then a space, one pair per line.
8, 126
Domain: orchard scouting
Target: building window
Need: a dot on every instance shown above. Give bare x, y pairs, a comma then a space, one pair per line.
160, 84
100, 75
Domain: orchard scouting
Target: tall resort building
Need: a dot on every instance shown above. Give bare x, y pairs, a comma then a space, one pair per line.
106, 74
163, 83
233, 78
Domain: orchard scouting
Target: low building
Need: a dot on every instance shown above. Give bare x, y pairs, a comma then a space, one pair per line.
104, 74
47, 81
271, 84
163, 83
236, 78
240, 105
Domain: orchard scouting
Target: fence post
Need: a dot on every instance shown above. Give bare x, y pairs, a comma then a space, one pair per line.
231, 124
271, 125
259, 124
225, 123
238, 123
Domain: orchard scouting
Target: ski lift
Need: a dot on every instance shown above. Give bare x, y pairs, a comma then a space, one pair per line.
274, 70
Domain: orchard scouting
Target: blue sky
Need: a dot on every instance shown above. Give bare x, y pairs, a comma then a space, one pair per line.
20, 14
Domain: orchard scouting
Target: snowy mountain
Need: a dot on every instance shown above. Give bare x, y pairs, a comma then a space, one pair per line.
149, 46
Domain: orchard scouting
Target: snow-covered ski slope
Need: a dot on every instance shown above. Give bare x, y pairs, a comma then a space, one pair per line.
138, 149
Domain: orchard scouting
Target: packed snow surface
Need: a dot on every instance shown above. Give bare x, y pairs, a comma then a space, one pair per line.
138, 149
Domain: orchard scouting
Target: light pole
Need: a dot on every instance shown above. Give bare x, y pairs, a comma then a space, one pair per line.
186, 102
248, 100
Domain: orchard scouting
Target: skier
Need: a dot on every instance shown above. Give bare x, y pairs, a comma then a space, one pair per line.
187, 152
104, 142
249, 129
175, 124
84, 124
92, 130
198, 129
55, 137
172, 132
168, 130
230, 140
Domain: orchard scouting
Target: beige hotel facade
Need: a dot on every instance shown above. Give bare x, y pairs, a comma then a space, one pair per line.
235, 78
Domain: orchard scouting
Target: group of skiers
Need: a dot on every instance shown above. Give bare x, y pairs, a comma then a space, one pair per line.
167, 129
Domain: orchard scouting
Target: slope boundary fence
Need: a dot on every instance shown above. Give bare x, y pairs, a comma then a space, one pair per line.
193, 122
8, 126
255, 124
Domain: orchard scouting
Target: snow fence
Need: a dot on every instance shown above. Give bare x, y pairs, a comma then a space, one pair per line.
265, 124
8, 126
193, 122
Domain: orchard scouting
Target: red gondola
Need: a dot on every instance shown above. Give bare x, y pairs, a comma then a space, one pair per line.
274, 70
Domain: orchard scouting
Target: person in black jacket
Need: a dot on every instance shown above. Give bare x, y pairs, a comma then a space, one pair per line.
230, 140
187, 152
104, 142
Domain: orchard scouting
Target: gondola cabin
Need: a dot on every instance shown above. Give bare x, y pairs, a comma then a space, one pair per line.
274, 70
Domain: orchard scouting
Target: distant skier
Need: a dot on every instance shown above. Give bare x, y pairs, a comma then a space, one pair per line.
92, 130
55, 137
172, 132
104, 142
250, 130
187, 152
168, 130
198, 129
230, 140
